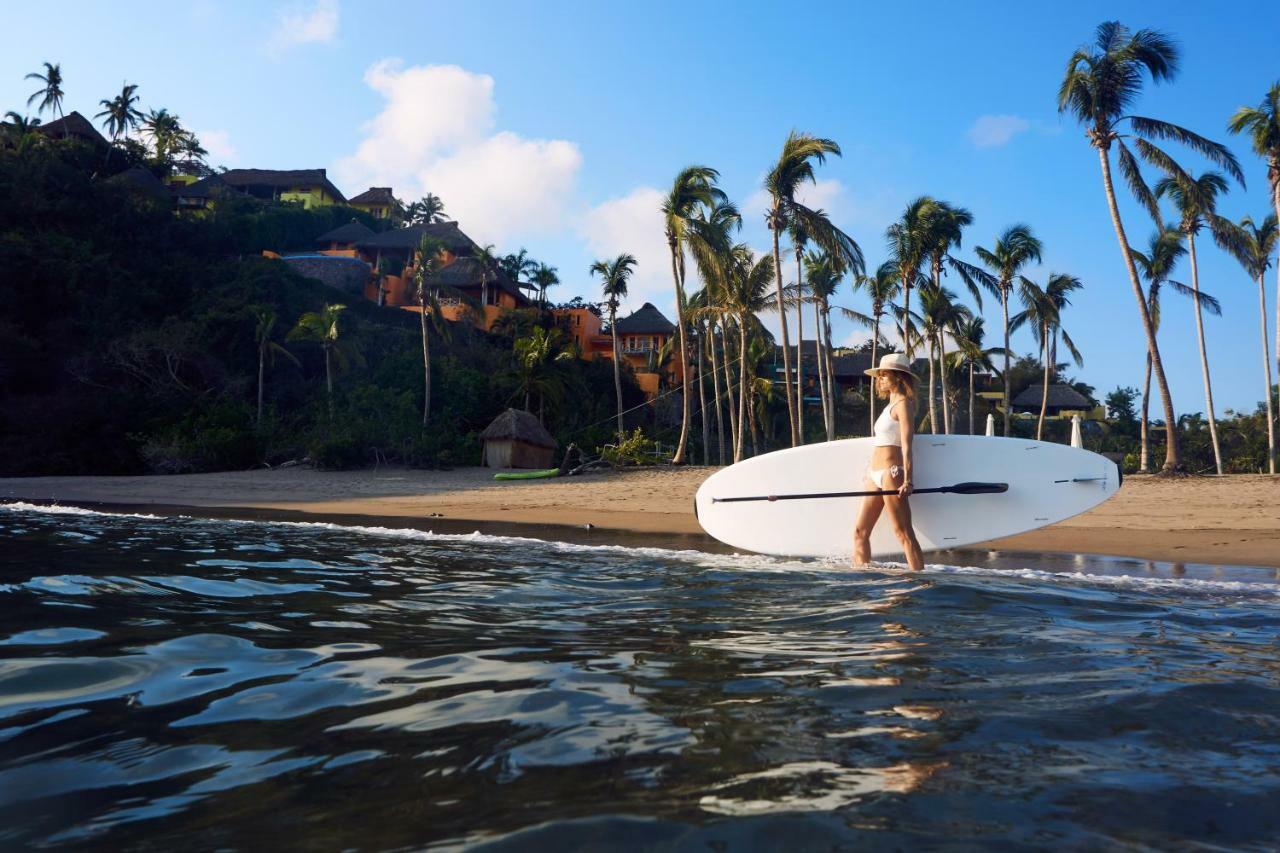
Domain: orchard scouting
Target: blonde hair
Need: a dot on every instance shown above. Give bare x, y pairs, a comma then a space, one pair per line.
898, 382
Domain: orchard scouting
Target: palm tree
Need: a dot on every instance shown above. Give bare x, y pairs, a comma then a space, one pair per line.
1262, 123
1196, 201
969, 334
1100, 85
265, 324
793, 169
428, 264
614, 275
518, 264
908, 240
487, 259
539, 367
165, 131
321, 327
880, 289
824, 275
120, 113
1013, 250
1164, 249
693, 190
21, 130
50, 93
939, 313
428, 210
1043, 310
1253, 246
544, 277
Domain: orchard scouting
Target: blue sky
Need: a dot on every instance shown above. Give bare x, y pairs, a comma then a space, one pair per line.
554, 126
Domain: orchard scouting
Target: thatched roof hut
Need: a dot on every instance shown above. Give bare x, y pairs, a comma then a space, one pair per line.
515, 439
1061, 397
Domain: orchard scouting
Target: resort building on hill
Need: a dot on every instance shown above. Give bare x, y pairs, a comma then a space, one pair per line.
307, 187
642, 336
1064, 401
202, 194
380, 203
74, 126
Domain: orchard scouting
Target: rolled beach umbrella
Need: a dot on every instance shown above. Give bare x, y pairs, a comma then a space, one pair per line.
991, 425
1076, 440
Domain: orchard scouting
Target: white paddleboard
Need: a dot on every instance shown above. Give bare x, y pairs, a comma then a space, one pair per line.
1047, 483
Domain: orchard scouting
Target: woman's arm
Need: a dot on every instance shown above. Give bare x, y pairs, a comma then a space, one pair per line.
906, 429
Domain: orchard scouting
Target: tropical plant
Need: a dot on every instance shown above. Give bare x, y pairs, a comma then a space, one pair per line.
321, 327
487, 260
264, 328
908, 244
1262, 124
615, 275
1013, 250
540, 368
544, 277
1253, 246
518, 265
120, 114
428, 263
970, 354
880, 289
793, 169
693, 191
166, 133
1100, 85
824, 275
1196, 199
50, 93
429, 209
939, 314
1043, 312
20, 131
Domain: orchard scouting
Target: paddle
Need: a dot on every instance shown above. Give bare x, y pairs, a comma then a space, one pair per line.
957, 489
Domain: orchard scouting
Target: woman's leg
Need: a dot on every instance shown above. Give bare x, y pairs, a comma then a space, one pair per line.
899, 511
868, 514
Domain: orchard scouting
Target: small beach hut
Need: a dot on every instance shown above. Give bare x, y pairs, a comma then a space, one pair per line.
516, 439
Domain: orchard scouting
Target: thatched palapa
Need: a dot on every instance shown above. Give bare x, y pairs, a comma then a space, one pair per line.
516, 439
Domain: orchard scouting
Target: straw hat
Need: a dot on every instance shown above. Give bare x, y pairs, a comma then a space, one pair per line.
893, 361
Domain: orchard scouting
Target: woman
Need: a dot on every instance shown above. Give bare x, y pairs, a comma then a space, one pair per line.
890, 466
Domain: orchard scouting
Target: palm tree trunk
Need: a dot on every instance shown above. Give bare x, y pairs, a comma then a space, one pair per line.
1144, 452
740, 446
1172, 456
735, 424
715, 387
702, 396
786, 337
871, 397
617, 368
426, 365
328, 381
1044, 389
933, 410
1274, 169
906, 315
832, 387
1266, 366
1204, 355
262, 359
1004, 310
971, 398
685, 404
822, 374
942, 376
799, 347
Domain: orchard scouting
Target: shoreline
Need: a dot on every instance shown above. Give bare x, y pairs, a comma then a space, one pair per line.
1233, 521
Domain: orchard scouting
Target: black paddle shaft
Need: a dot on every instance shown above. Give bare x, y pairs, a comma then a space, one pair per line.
957, 489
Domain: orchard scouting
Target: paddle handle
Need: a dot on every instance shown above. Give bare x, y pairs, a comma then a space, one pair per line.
959, 489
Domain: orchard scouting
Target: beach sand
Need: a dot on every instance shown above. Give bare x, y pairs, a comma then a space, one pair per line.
1224, 520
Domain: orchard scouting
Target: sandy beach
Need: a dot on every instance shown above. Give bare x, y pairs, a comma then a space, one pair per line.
1229, 520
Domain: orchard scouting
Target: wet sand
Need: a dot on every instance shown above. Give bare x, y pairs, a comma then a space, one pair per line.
1226, 520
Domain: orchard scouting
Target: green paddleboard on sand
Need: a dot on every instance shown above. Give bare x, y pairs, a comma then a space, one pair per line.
527, 475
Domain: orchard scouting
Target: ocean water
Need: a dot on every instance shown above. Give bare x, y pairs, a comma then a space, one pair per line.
169, 682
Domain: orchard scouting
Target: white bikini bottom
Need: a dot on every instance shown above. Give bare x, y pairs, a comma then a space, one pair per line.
876, 476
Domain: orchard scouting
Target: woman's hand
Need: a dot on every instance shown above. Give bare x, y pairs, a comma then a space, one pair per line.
905, 489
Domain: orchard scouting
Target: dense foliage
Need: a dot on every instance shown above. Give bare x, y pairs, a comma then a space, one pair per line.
127, 341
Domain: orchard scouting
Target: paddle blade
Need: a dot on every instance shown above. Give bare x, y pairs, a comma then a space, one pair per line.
978, 488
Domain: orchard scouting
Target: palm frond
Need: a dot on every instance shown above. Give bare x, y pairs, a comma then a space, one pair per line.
1215, 152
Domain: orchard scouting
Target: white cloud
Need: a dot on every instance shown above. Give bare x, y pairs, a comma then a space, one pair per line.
300, 24
633, 223
435, 134
996, 130
218, 143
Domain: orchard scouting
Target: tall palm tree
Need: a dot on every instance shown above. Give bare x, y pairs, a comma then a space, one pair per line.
709, 238
1005, 260
970, 334
518, 265
693, 190
487, 259
50, 93
1196, 200
20, 130
1253, 247
1043, 311
428, 264
614, 276
1262, 124
908, 240
939, 313
540, 367
1101, 83
264, 329
793, 169
165, 130
1164, 249
321, 327
824, 275
880, 289
120, 114
544, 277
428, 210
799, 238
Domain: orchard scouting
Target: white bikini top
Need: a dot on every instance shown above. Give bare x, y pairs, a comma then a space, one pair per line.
887, 431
